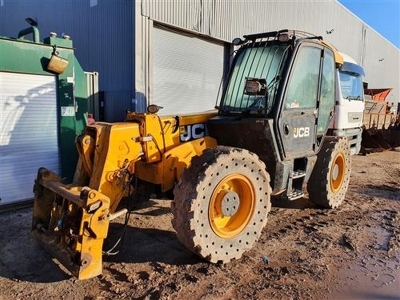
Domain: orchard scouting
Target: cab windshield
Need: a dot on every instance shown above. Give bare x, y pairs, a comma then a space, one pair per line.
351, 86
261, 65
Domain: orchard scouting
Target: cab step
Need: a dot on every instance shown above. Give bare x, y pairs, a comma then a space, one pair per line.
298, 174
295, 194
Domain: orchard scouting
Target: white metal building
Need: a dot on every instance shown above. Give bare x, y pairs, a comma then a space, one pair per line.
224, 20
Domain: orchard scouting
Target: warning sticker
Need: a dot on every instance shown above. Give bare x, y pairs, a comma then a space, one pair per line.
67, 111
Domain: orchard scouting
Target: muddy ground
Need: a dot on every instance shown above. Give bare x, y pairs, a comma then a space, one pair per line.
304, 252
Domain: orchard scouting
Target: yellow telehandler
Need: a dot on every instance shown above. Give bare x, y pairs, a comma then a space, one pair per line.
267, 136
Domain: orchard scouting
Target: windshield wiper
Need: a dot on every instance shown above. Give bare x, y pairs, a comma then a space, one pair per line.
353, 98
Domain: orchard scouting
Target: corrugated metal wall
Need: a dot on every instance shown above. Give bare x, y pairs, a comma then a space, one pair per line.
102, 33
28, 132
105, 32
382, 65
226, 20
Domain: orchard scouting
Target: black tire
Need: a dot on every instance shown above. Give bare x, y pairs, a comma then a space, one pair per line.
330, 178
221, 203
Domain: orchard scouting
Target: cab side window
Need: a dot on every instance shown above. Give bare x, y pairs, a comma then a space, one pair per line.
327, 99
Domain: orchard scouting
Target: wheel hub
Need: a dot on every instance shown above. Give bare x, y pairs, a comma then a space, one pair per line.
230, 203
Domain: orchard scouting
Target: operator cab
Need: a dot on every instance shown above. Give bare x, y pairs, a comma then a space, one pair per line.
278, 100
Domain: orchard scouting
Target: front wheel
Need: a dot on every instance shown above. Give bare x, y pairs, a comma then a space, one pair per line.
330, 178
221, 203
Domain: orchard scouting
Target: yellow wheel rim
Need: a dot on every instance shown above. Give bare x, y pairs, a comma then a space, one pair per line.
232, 205
337, 172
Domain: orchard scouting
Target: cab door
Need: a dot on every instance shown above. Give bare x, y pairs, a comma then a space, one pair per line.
307, 108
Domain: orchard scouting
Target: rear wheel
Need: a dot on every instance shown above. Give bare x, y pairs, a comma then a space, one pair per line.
330, 178
221, 203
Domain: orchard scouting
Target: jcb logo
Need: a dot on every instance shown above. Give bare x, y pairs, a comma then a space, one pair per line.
301, 132
192, 132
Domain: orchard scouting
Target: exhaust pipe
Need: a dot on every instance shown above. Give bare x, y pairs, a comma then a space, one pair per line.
30, 30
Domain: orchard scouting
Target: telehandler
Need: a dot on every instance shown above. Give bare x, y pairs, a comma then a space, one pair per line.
268, 136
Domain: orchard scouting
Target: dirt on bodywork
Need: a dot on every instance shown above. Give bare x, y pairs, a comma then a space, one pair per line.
304, 252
